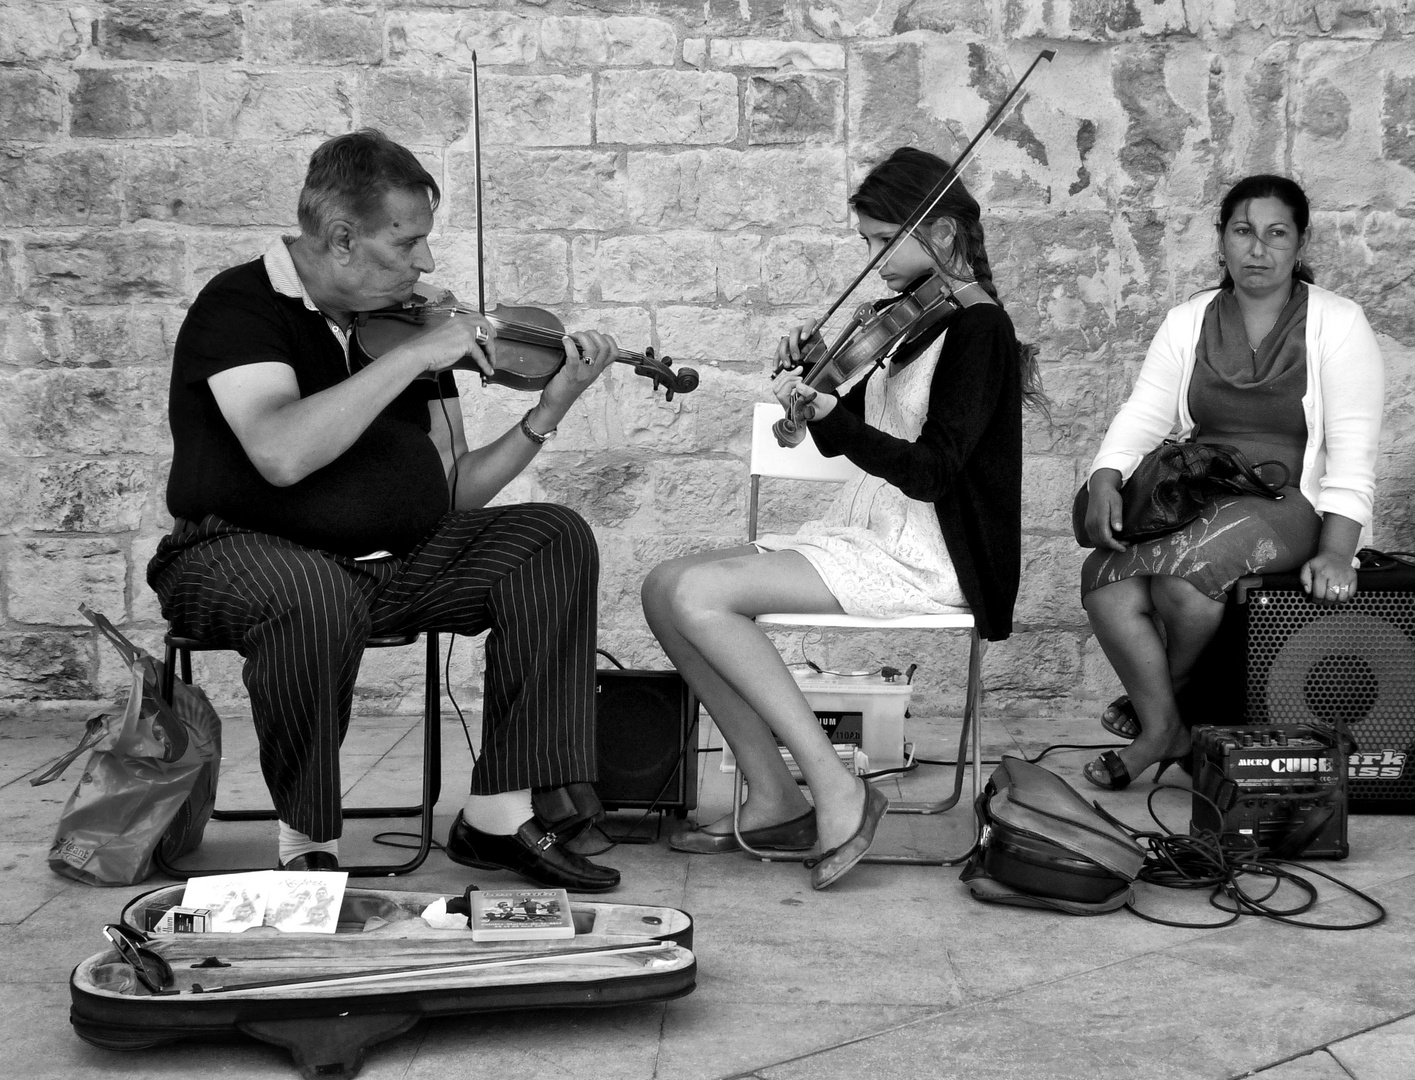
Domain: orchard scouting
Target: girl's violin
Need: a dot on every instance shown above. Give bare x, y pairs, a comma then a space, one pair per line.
871, 335
528, 350
876, 329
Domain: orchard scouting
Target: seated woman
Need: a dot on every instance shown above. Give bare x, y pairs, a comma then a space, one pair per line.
1284, 371
933, 523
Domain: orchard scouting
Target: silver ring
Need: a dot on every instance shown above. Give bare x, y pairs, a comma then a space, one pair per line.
481, 335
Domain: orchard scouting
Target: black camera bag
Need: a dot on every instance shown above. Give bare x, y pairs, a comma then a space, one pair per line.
1042, 845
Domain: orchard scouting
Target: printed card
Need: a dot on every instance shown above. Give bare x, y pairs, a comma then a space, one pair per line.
236, 901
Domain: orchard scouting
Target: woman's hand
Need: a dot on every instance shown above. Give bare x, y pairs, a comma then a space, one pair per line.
1103, 510
1328, 576
790, 388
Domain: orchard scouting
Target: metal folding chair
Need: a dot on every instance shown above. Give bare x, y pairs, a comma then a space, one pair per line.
805, 462
179, 648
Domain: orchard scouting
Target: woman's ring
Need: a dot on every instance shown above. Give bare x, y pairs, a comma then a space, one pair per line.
481, 335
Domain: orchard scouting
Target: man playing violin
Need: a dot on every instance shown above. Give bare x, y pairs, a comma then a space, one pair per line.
321, 497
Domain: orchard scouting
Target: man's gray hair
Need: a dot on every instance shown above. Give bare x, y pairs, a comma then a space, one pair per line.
349, 177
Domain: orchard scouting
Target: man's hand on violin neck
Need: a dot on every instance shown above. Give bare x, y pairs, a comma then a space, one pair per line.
587, 354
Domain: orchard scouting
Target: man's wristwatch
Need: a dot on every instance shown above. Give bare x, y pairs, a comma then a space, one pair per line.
540, 439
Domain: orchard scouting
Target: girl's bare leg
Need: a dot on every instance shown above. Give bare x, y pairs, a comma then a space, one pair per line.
701, 609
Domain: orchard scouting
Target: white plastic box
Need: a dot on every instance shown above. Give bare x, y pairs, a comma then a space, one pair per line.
879, 703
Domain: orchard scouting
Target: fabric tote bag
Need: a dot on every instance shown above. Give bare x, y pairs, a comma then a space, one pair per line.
150, 778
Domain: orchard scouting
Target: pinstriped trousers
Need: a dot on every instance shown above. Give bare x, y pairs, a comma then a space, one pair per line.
527, 573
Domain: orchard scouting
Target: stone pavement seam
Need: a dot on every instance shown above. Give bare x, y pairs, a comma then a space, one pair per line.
1328, 1045
759, 1072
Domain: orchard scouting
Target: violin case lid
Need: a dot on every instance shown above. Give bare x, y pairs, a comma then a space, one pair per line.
328, 1030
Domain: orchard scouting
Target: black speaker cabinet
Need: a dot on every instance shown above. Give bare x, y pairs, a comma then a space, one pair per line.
1308, 664
647, 738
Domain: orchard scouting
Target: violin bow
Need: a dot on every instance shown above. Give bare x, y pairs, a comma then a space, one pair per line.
476, 146
940, 189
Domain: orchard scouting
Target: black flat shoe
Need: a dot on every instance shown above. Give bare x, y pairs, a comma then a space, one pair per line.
311, 860
798, 834
831, 865
534, 855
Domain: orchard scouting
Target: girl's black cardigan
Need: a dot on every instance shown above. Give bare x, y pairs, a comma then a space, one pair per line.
967, 460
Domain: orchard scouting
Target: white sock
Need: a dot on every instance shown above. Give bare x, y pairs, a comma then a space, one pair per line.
294, 843
500, 815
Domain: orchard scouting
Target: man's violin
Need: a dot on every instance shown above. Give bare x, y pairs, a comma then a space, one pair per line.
528, 350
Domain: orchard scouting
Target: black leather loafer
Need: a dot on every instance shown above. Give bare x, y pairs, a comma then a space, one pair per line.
534, 855
311, 860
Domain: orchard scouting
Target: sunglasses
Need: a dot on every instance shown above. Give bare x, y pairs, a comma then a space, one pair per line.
152, 971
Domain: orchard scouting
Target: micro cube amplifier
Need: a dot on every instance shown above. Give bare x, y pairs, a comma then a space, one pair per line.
1278, 787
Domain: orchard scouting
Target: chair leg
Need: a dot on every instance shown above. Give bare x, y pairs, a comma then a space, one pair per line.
432, 778
431, 789
970, 742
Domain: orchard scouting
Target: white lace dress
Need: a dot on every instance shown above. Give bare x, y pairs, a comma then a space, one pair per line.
880, 552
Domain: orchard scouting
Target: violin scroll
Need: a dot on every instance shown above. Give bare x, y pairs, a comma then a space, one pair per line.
682, 381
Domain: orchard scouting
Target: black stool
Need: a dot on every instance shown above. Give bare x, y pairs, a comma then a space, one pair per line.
180, 646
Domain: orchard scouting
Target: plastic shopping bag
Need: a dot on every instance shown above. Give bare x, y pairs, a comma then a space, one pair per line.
150, 779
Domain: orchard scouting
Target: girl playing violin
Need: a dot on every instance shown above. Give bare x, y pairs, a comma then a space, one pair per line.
934, 522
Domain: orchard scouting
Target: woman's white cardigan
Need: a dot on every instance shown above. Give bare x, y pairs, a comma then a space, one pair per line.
1342, 405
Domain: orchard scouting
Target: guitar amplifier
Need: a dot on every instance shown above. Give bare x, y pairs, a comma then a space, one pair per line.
1352, 665
645, 731
1278, 787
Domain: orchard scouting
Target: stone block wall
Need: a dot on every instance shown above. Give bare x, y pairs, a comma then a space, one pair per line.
675, 171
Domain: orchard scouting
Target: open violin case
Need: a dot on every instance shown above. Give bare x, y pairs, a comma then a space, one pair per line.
328, 997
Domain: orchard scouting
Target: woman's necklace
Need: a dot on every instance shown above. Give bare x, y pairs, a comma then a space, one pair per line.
1271, 323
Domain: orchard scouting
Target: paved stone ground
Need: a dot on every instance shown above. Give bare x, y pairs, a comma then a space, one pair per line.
895, 972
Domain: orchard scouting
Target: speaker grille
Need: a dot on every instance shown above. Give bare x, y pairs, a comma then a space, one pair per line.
1356, 664
643, 720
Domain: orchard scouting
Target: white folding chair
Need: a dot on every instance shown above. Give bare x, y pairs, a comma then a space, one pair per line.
805, 462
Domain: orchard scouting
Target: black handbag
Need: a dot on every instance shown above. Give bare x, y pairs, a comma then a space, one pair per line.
1172, 485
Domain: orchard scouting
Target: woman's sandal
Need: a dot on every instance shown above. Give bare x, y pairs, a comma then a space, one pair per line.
1117, 777
1120, 719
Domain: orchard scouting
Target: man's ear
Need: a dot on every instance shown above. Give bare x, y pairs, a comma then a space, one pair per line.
339, 238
